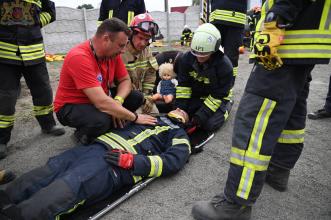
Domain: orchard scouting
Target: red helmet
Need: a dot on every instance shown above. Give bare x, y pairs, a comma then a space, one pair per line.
144, 23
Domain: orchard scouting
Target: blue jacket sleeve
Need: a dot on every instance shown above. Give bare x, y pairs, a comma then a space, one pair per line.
175, 155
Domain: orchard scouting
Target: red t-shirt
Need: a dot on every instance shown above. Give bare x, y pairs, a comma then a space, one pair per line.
80, 71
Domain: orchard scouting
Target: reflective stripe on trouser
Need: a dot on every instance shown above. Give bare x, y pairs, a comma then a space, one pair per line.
290, 143
267, 107
37, 80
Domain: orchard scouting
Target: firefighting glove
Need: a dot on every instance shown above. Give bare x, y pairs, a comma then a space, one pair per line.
148, 105
266, 45
120, 158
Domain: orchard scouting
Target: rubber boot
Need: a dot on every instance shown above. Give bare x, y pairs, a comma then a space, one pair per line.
220, 209
277, 177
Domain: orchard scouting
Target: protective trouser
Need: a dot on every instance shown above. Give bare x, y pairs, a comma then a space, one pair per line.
216, 120
37, 79
327, 105
269, 126
90, 121
232, 39
77, 176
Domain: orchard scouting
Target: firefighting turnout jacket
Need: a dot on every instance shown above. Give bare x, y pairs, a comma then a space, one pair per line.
122, 9
21, 21
211, 82
158, 150
142, 67
306, 41
232, 13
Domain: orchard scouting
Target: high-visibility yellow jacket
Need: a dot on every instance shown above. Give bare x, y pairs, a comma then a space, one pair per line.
21, 41
308, 39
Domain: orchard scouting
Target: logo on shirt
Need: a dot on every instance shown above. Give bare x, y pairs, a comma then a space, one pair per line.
99, 77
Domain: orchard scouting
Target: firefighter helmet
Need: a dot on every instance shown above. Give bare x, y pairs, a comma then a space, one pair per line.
144, 23
206, 40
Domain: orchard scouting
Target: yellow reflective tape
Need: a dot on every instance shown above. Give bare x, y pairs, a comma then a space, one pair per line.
148, 86
58, 217
156, 166
137, 179
110, 13
9, 55
7, 117
292, 136
235, 71
7, 46
260, 125
177, 141
245, 183
147, 133
326, 16
31, 48
230, 95
304, 51
203, 79
107, 140
130, 17
124, 143
42, 110
33, 56
37, 2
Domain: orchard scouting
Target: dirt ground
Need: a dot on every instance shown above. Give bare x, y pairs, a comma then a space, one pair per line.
308, 196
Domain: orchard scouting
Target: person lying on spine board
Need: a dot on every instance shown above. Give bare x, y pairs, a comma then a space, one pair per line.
90, 173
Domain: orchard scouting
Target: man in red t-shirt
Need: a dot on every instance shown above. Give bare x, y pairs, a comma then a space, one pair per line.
86, 98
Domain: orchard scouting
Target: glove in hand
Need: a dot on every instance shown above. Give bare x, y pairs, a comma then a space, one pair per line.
266, 46
120, 158
148, 105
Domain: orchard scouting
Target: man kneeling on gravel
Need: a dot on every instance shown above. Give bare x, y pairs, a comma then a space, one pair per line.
90, 173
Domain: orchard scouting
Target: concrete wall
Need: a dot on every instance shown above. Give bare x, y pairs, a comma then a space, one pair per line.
73, 26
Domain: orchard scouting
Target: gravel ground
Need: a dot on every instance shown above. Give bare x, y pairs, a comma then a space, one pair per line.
308, 196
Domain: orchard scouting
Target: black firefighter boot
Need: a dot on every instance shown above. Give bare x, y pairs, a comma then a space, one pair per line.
220, 209
48, 125
277, 177
3, 151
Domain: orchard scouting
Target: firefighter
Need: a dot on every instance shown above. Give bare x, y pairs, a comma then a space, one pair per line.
22, 54
186, 37
87, 174
229, 17
139, 61
269, 127
94, 92
204, 80
122, 9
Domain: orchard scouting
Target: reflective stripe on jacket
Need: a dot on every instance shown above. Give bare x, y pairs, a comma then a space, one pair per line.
159, 150
20, 32
308, 40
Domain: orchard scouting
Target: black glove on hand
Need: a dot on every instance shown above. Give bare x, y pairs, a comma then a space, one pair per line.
120, 158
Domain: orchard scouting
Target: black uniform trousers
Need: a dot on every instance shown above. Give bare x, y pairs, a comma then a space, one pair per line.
90, 121
269, 127
231, 40
37, 79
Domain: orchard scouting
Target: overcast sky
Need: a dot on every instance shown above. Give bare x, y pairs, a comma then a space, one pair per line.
151, 5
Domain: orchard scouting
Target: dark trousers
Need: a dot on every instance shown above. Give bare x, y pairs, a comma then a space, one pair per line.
269, 127
37, 79
327, 105
232, 39
78, 176
216, 120
90, 121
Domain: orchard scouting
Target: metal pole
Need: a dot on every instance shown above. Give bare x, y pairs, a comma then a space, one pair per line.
122, 199
85, 23
166, 8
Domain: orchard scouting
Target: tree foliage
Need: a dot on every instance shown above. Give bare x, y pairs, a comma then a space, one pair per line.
86, 6
195, 2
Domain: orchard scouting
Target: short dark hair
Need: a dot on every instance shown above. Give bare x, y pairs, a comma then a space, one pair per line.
113, 25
